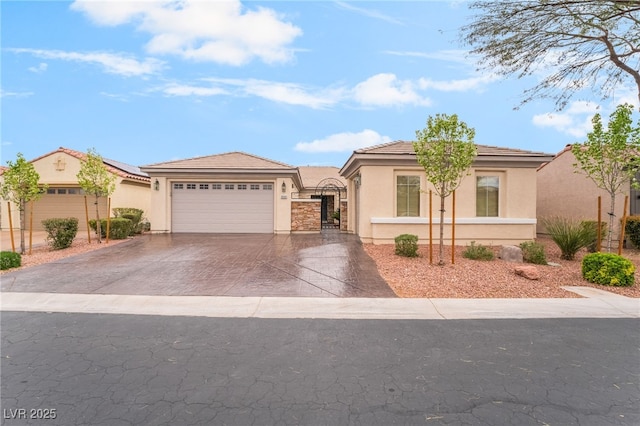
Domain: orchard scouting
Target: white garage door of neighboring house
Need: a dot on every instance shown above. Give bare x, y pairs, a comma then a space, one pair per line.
60, 202
222, 207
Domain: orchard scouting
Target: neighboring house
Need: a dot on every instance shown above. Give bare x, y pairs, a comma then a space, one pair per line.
563, 192
495, 204
64, 198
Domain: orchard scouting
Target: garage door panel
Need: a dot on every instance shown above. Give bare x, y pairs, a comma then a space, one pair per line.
222, 210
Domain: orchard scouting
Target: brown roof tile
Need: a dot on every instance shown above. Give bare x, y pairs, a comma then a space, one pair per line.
404, 147
312, 176
229, 160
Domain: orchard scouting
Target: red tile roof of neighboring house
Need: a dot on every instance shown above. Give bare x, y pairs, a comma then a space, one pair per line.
123, 170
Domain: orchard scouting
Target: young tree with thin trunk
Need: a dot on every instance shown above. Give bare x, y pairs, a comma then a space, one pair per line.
445, 149
572, 44
20, 186
611, 157
95, 179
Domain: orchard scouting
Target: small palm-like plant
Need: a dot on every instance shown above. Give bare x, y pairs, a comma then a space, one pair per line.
570, 235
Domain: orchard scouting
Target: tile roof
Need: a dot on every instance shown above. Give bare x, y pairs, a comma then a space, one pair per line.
229, 160
312, 175
404, 147
123, 170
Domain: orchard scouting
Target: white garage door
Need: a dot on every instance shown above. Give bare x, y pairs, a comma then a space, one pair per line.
221, 207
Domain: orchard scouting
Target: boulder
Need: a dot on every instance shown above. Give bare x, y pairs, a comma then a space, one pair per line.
529, 272
511, 254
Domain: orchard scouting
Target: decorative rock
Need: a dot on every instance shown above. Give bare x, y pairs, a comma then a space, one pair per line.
511, 254
555, 265
529, 272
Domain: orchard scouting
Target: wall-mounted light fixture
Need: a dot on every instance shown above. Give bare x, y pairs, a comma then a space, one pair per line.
357, 180
156, 185
284, 187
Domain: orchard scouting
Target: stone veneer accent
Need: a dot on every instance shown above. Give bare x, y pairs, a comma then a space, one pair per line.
343, 216
305, 215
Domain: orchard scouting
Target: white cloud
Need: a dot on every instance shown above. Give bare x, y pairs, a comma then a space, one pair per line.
120, 64
42, 67
288, 93
371, 13
461, 85
575, 121
343, 142
5, 94
451, 55
386, 90
215, 31
188, 90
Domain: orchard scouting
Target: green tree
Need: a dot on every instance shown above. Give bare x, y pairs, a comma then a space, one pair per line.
610, 157
95, 179
445, 149
576, 44
20, 186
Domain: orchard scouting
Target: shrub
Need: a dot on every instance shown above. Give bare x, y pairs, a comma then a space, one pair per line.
570, 235
608, 269
478, 252
592, 224
119, 229
134, 215
533, 252
632, 230
407, 245
9, 259
60, 231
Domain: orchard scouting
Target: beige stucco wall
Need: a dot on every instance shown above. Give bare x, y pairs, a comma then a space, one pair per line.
561, 192
377, 220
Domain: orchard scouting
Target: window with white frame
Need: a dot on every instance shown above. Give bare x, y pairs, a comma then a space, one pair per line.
407, 196
487, 196
216, 186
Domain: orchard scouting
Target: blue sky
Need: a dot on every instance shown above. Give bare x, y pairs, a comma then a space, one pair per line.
299, 82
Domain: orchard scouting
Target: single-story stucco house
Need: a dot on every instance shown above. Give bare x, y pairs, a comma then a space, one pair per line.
236, 192
387, 195
64, 197
563, 192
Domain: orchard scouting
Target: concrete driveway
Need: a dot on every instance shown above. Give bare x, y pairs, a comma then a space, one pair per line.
310, 265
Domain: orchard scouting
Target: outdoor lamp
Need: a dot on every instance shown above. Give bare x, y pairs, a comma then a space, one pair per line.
284, 187
156, 185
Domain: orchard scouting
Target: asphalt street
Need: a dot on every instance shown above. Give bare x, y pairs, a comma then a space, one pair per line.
108, 369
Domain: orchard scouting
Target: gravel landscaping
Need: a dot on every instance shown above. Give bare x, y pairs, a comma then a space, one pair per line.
415, 277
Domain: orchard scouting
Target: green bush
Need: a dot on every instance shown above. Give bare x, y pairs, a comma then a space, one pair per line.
119, 229
477, 252
533, 252
134, 215
407, 245
632, 230
9, 259
608, 269
592, 224
570, 235
60, 231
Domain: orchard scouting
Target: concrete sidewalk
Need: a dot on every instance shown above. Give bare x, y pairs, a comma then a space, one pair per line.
595, 304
